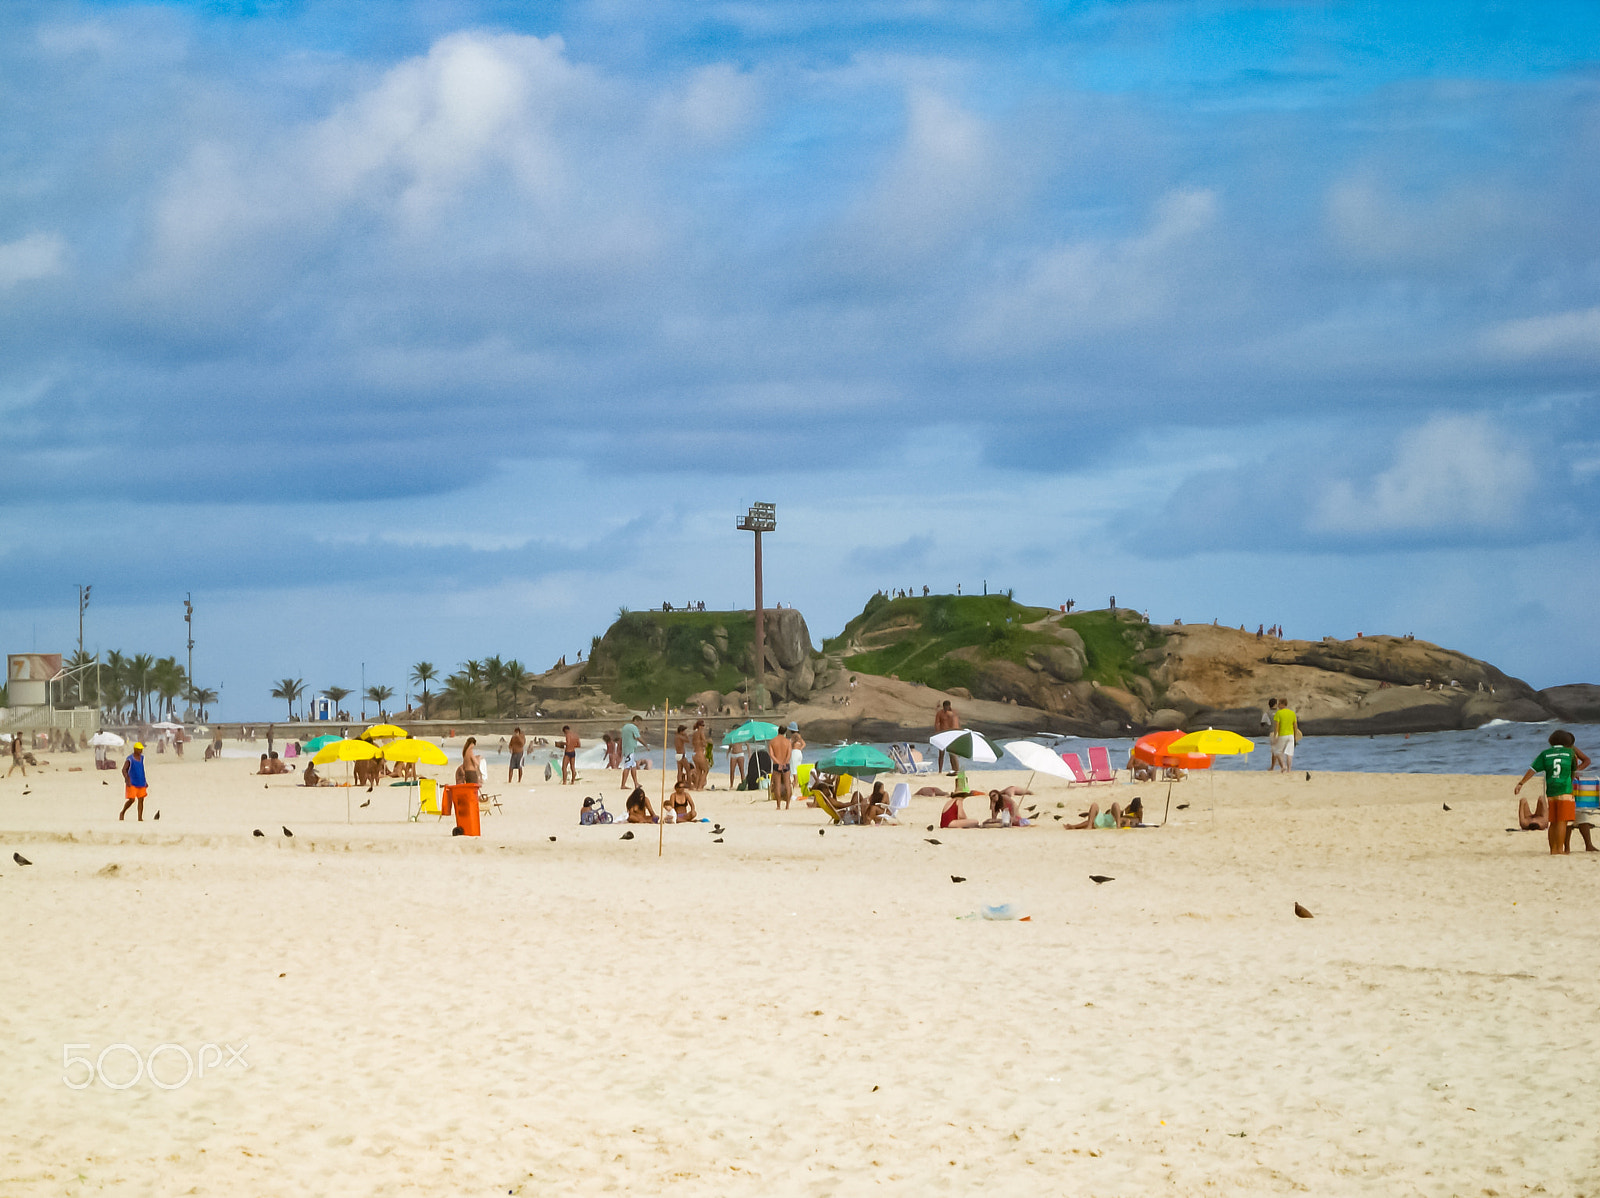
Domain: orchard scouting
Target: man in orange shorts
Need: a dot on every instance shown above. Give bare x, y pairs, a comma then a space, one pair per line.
134, 785
1558, 764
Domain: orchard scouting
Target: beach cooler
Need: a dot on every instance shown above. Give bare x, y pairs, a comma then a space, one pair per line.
462, 797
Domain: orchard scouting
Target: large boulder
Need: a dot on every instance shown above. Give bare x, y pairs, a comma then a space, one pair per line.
1060, 661
788, 639
798, 681
1577, 701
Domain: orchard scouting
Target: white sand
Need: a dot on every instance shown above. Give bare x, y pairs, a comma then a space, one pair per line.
799, 1014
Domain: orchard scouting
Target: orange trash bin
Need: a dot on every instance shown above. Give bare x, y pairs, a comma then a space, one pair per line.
463, 797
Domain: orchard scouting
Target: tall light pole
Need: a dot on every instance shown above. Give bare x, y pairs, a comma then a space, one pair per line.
188, 623
762, 517
83, 606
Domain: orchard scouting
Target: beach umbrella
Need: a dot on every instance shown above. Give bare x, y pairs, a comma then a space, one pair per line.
1154, 749
858, 760
167, 726
105, 738
1215, 742
1039, 759
317, 742
384, 732
750, 730
417, 752
346, 750
966, 744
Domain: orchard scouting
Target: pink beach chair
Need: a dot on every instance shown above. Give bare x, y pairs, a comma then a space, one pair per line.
1076, 766
1100, 769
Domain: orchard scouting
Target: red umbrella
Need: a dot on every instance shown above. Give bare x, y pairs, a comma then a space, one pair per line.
1148, 749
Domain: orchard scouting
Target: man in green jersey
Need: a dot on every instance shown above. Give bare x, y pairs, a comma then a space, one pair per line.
1558, 764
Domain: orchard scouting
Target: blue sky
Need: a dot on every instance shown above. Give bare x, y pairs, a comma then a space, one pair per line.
436, 330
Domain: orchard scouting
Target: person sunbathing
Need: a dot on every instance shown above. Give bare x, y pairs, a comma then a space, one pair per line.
1117, 816
871, 809
639, 809
1533, 819
312, 778
954, 815
680, 806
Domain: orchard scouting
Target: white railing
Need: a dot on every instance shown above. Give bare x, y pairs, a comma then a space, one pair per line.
33, 719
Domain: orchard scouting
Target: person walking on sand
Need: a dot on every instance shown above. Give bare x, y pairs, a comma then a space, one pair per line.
569, 754
518, 746
1270, 733
945, 719
134, 785
17, 763
1285, 728
1558, 764
631, 744
782, 750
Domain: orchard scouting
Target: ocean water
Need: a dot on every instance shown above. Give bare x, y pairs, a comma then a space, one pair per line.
1496, 748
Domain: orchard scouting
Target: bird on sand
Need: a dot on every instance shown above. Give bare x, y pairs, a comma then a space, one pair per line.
718, 840
1302, 912
957, 878
20, 859
1100, 879
931, 840
157, 815
1446, 806
258, 832
286, 832
552, 840
626, 836
368, 803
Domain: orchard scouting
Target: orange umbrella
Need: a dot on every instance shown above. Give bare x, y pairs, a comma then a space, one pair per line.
1150, 750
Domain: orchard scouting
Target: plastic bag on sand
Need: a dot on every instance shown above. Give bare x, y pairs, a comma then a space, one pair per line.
998, 911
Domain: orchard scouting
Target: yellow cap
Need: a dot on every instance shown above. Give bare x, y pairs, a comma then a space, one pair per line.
137, 747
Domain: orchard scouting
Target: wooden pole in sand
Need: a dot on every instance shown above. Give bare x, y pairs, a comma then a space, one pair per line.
661, 812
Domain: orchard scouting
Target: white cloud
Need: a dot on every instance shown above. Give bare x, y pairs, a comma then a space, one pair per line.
1454, 473
714, 106
1397, 233
1090, 286
36, 256
1558, 334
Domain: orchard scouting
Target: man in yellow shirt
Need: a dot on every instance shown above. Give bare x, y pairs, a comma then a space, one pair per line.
1284, 727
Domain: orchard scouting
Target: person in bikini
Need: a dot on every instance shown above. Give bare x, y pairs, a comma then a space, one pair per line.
697, 756
471, 763
1003, 811
1114, 817
680, 806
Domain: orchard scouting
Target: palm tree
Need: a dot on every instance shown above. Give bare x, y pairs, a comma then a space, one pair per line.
514, 683
465, 691
168, 680
494, 680
200, 698
114, 682
380, 695
337, 694
289, 689
139, 668
423, 673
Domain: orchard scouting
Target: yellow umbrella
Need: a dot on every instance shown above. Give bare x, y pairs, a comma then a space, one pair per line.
345, 750
384, 732
1212, 742
421, 752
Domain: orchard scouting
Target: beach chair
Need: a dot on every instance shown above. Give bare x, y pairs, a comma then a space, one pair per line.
802, 779
1100, 767
489, 803
428, 798
1076, 766
900, 799
900, 754
918, 765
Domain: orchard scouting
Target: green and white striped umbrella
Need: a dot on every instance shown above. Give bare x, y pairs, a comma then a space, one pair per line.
966, 744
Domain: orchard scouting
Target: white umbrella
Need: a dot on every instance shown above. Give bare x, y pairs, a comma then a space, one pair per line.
1039, 759
164, 726
105, 738
964, 742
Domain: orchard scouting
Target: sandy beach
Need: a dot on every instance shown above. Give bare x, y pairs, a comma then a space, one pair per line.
550, 1009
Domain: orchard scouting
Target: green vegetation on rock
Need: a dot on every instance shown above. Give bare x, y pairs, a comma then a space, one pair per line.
944, 641
646, 657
